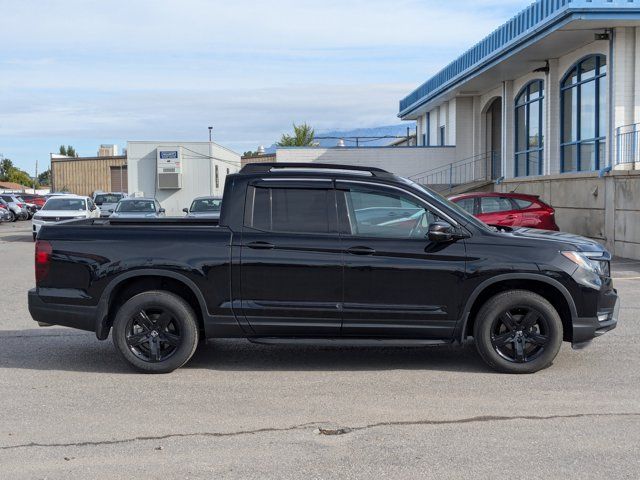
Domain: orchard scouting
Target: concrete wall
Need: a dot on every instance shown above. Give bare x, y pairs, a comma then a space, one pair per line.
605, 209
403, 161
198, 177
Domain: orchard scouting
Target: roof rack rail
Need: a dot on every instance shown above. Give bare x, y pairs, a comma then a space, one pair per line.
269, 167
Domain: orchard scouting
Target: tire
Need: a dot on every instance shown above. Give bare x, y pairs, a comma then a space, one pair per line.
35, 235
155, 332
12, 216
518, 331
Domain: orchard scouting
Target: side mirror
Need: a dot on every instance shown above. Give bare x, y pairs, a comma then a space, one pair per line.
441, 232
162, 210
185, 210
111, 210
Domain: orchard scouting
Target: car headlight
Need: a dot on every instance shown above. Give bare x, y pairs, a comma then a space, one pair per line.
595, 262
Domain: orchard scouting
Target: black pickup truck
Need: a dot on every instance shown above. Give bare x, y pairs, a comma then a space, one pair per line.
326, 254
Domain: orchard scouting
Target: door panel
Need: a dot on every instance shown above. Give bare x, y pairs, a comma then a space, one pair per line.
291, 283
406, 287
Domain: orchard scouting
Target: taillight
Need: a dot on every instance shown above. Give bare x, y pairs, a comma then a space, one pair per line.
43, 259
21, 205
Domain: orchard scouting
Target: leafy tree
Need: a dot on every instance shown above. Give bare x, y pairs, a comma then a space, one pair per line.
10, 173
303, 136
69, 151
45, 177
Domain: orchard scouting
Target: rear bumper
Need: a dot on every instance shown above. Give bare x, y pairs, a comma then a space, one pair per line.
81, 317
586, 329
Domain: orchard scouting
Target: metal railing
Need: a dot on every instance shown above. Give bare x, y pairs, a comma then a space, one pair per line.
483, 167
524, 23
628, 144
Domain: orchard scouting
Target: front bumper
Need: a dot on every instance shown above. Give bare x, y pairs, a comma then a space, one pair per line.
82, 317
586, 329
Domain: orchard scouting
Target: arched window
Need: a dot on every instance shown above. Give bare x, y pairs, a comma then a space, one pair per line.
584, 115
530, 129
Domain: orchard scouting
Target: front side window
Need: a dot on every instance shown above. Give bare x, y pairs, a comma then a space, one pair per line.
291, 210
372, 213
529, 122
136, 206
584, 115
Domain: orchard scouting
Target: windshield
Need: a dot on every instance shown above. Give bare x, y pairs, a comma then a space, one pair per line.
453, 206
78, 204
108, 198
147, 206
206, 205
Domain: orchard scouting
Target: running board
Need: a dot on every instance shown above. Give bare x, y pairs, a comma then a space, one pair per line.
347, 342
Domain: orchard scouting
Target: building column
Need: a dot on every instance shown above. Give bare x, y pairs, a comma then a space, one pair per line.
552, 119
636, 86
507, 129
419, 130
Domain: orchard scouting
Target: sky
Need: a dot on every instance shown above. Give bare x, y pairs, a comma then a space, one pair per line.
88, 72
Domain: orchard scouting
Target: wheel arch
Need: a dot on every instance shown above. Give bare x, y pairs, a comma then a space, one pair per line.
549, 288
129, 284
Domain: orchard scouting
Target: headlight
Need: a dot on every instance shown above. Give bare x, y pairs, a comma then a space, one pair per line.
595, 262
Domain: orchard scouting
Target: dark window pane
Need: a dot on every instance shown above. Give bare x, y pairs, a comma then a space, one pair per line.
521, 165
495, 204
534, 90
261, 209
534, 125
300, 210
587, 156
603, 65
522, 204
569, 125
588, 110
521, 137
522, 98
534, 163
570, 160
571, 78
603, 123
588, 68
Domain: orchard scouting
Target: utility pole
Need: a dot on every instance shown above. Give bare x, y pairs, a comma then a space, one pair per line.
210, 130
35, 179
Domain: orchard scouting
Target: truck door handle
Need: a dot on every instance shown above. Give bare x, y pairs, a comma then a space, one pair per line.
361, 251
261, 245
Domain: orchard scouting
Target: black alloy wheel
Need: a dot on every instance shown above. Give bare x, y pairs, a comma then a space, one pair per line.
153, 335
520, 334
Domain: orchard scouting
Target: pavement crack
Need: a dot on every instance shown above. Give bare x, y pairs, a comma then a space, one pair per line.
303, 426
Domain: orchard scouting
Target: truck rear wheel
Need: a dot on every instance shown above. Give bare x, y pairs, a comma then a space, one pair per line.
518, 331
155, 332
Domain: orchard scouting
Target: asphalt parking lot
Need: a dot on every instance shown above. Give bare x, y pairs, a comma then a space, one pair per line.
72, 409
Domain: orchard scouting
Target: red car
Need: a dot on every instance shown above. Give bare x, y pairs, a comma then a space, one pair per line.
508, 209
37, 200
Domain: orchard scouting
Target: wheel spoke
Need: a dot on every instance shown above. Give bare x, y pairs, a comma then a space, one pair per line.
144, 321
137, 339
529, 320
537, 339
519, 347
501, 340
170, 338
154, 349
163, 320
508, 321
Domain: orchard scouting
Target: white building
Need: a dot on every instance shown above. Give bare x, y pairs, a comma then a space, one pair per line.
177, 172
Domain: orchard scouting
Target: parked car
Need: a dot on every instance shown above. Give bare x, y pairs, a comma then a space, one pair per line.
204, 207
62, 208
107, 201
290, 261
37, 200
508, 209
31, 207
137, 208
5, 216
18, 208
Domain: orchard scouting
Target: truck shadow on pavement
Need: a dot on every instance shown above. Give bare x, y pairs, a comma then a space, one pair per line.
68, 350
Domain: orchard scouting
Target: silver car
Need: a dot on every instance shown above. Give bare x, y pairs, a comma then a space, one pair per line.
107, 201
5, 215
138, 208
204, 207
17, 208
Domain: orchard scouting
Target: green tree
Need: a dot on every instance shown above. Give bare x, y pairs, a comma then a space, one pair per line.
10, 173
303, 136
45, 177
69, 151
249, 153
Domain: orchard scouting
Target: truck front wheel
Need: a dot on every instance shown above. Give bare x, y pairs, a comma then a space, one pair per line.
518, 331
155, 332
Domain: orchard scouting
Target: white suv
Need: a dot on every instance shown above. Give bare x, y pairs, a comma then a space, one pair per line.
64, 207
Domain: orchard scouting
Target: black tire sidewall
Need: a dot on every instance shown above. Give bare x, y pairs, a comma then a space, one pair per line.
183, 314
498, 304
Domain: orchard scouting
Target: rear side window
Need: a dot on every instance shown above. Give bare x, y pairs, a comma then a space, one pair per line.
495, 204
291, 210
467, 204
522, 204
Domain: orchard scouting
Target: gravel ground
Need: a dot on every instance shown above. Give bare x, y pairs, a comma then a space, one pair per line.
72, 409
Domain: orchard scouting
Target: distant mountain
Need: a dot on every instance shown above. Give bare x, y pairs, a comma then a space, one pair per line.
349, 136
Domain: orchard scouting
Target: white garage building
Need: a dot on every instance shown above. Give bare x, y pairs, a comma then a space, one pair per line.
176, 172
